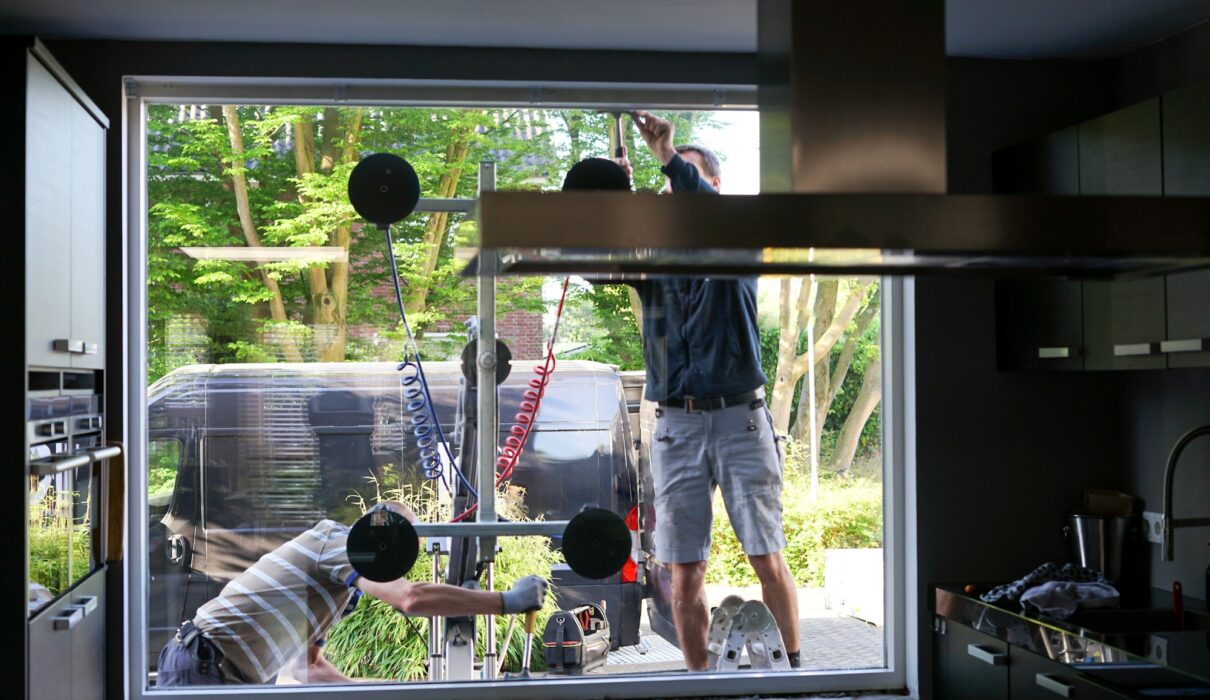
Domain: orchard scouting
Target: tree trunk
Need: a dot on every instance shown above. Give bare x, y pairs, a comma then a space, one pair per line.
863, 407
239, 183
850, 348
787, 347
329, 289
437, 227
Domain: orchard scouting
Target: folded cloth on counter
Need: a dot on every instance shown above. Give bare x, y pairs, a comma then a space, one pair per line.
1059, 599
1012, 592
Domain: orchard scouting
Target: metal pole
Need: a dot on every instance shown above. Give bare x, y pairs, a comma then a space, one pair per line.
489, 644
489, 423
813, 425
436, 644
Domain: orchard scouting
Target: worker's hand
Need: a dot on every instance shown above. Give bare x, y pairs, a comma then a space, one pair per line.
528, 593
625, 163
657, 134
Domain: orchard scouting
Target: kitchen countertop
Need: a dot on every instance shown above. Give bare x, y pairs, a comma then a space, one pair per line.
1148, 665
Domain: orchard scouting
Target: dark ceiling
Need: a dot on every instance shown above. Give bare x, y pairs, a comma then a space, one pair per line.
987, 28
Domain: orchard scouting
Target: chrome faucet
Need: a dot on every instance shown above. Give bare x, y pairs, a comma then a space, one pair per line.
1170, 523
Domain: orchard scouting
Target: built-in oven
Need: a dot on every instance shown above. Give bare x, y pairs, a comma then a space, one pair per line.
67, 473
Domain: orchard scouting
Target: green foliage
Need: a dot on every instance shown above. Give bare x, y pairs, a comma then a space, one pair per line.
377, 642
847, 515
217, 311
601, 316
53, 531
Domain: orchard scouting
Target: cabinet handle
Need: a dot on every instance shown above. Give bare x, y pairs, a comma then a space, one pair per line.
1055, 685
86, 604
1189, 345
70, 620
992, 658
1135, 349
62, 465
1058, 353
75, 347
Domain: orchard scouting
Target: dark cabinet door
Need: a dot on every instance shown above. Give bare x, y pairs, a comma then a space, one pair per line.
1187, 141
1120, 152
1124, 324
974, 666
1188, 341
1034, 677
1048, 164
1039, 324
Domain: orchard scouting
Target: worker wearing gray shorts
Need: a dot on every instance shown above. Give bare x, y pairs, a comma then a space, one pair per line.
702, 351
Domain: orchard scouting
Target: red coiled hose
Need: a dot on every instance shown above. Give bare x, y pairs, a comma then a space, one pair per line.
518, 435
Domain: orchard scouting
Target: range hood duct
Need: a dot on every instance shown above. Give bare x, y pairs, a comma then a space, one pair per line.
852, 96
853, 181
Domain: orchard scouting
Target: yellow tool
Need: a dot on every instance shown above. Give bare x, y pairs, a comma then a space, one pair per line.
531, 620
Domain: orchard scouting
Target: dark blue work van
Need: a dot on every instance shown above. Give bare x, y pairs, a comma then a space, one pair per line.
248, 456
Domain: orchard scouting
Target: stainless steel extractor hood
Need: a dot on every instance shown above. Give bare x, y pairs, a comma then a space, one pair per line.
853, 173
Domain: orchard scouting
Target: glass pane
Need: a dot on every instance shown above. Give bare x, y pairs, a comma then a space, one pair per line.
277, 401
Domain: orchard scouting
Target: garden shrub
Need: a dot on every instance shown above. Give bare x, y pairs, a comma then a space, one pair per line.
847, 515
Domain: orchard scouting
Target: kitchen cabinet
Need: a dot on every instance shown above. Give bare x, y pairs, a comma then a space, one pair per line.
1039, 324
67, 644
1124, 324
64, 223
1187, 343
1186, 130
1120, 152
1048, 164
970, 664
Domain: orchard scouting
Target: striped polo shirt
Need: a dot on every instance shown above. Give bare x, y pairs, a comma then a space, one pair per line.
281, 605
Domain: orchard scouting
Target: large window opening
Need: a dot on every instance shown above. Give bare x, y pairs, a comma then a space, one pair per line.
274, 401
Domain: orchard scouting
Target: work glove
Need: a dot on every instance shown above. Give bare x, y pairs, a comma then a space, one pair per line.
528, 593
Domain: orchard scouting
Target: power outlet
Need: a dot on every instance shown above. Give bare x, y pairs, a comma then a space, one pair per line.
1153, 528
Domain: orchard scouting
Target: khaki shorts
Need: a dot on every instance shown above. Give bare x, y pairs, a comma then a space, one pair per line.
733, 448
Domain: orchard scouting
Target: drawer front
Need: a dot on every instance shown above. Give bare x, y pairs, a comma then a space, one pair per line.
976, 665
1034, 677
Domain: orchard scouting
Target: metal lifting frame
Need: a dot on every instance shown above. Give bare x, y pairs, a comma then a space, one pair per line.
447, 663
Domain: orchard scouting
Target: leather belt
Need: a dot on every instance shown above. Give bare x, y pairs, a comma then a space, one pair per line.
693, 404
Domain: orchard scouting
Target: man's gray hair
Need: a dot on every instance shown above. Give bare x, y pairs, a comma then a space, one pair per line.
709, 161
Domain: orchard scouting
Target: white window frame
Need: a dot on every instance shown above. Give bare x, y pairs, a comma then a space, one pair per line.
142, 91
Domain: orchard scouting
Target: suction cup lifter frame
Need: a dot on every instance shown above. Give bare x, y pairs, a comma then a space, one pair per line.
384, 190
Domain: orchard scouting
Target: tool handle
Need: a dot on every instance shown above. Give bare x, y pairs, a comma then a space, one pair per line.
531, 620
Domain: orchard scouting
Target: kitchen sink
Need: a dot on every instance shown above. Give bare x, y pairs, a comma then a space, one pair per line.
1138, 621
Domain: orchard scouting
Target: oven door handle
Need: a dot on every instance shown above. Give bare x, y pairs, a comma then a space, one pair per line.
59, 466
76, 461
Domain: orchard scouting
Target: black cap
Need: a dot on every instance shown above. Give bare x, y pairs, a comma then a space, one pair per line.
596, 174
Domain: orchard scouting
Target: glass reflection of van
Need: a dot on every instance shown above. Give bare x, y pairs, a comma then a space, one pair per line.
247, 456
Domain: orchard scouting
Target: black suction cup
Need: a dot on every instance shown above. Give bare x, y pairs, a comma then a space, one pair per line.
384, 189
596, 543
596, 174
383, 545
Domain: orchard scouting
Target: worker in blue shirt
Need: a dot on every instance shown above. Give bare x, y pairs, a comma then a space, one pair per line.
701, 347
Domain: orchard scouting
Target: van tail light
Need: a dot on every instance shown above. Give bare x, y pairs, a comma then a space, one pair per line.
630, 570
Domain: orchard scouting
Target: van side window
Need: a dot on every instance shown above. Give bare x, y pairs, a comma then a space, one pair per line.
255, 481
